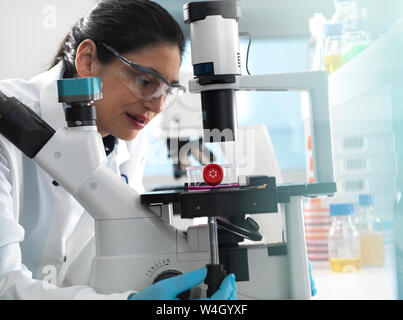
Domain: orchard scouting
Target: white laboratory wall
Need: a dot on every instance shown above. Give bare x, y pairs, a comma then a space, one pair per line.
31, 31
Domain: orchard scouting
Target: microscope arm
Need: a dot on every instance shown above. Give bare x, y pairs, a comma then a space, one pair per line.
313, 82
76, 159
316, 84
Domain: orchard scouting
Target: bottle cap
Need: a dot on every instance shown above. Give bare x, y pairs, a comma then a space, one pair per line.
213, 174
332, 29
366, 199
342, 209
356, 24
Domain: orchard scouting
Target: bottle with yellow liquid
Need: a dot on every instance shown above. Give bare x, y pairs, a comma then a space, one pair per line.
333, 48
344, 239
371, 232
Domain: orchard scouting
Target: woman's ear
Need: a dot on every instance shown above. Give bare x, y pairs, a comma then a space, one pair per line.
87, 63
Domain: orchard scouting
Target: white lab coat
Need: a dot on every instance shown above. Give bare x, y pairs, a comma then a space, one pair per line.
46, 237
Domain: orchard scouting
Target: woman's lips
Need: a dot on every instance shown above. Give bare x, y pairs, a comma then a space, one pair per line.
139, 117
137, 121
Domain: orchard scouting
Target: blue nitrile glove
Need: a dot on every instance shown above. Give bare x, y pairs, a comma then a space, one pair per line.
169, 289
313, 288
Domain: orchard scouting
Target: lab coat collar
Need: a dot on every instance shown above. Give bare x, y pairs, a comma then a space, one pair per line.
51, 110
123, 154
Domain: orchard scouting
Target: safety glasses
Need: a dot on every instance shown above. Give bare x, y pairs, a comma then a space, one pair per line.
146, 83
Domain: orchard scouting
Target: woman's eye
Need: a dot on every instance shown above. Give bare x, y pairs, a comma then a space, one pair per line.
143, 81
169, 91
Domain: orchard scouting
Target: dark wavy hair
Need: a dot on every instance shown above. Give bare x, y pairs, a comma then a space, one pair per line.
126, 25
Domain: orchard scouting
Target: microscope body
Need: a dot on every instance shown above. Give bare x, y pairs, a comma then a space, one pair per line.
135, 243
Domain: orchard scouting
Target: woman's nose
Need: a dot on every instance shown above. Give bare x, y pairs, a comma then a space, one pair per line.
155, 105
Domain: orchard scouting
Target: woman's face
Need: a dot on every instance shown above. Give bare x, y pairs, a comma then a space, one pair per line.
121, 113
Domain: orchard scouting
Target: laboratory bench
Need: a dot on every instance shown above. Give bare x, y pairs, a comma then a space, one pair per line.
369, 283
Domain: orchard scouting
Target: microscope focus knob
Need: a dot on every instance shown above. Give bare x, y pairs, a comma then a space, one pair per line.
169, 274
252, 224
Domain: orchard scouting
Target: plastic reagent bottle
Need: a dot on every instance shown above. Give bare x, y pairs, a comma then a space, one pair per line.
344, 239
371, 232
333, 49
356, 38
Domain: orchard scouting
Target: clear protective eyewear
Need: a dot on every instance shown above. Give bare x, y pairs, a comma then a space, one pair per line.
146, 83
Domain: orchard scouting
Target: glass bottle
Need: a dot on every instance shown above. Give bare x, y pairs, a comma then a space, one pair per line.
333, 49
344, 239
371, 232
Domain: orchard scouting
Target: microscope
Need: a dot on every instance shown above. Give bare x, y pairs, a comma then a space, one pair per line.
136, 244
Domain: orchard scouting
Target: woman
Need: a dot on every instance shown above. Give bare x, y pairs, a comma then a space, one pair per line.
45, 235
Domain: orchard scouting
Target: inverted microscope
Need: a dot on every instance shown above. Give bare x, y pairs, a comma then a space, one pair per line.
134, 232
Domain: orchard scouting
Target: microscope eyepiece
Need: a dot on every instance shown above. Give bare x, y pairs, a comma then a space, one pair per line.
22, 126
80, 94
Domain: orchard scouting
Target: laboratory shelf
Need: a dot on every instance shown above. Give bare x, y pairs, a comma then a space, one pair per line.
365, 164
370, 283
364, 144
365, 98
376, 66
